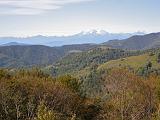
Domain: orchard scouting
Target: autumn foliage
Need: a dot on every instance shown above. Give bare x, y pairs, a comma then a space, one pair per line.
123, 95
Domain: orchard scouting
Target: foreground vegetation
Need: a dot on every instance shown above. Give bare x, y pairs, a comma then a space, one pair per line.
117, 94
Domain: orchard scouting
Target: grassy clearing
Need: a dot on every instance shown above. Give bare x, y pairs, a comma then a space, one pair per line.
133, 62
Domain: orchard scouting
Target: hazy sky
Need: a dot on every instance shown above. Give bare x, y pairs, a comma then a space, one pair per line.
65, 17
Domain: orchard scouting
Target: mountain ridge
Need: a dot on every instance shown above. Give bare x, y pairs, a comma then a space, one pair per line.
40, 55
80, 38
137, 42
36, 55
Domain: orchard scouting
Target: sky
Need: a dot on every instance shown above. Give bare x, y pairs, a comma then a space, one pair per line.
67, 17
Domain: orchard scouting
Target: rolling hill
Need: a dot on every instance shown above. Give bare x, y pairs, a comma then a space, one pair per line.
36, 55
77, 56
138, 42
145, 63
79, 62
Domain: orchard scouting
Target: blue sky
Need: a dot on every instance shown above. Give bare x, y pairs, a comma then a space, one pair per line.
66, 17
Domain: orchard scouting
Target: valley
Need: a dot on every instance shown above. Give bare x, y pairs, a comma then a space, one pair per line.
81, 81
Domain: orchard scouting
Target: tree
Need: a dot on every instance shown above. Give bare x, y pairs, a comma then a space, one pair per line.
148, 65
158, 58
129, 96
45, 114
91, 85
69, 81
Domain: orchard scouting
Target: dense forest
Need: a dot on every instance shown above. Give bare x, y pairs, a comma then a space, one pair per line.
79, 82
119, 94
97, 84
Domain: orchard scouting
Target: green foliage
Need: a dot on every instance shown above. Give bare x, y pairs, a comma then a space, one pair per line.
146, 70
91, 85
69, 82
35, 55
45, 114
75, 62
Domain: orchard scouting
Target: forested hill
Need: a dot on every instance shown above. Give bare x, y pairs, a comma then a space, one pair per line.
102, 92
22, 56
138, 42
38, 55
75, 62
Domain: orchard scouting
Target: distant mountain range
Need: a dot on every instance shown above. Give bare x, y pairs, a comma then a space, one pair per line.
81, 38
14, 43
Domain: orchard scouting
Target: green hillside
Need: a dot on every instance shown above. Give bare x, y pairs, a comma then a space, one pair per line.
134, 62
36, 55
85, 61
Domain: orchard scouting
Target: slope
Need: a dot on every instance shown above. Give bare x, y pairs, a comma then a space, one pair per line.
138, 42
36, 55
134, 62
79, 62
